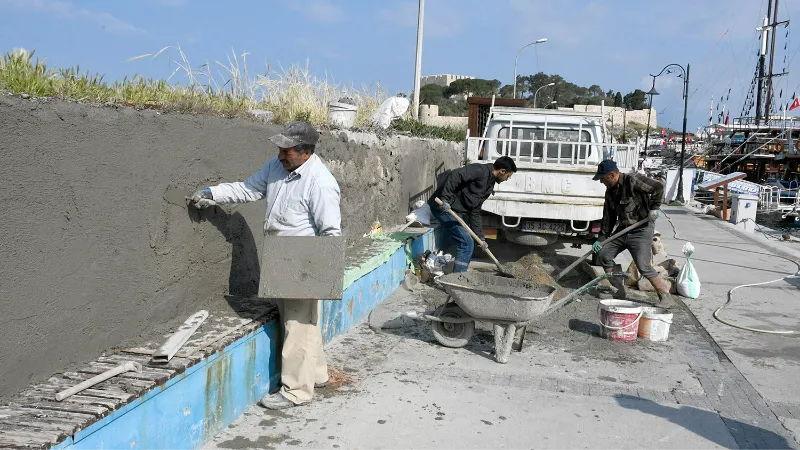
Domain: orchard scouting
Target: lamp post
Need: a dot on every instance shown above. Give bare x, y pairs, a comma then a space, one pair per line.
651, 93
538, 41
551, 103
537, 92
685, 75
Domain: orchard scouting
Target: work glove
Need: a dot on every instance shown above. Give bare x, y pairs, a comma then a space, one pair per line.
446, 206
484, 246
654, 214
202, 199
597, 246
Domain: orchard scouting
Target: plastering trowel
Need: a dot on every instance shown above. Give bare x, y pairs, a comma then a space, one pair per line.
183, 197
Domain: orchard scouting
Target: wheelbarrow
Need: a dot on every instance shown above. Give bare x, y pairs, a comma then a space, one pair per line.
506, 303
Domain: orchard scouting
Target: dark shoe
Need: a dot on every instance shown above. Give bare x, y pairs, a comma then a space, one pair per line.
324, 384
665, 300
275, 402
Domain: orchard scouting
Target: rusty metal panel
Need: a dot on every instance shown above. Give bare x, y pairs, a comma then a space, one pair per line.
478, 111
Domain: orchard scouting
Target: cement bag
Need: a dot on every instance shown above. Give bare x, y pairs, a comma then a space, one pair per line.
391, 108
422, 215
688, 281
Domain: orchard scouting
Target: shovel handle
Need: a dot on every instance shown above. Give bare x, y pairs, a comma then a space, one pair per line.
611, 238
471, 233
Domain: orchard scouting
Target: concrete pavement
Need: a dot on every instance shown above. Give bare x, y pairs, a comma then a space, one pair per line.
568, 388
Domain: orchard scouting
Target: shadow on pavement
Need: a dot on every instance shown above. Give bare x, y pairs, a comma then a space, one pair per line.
699, 421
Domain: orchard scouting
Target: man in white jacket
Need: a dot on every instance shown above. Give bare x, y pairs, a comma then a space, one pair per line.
302, 200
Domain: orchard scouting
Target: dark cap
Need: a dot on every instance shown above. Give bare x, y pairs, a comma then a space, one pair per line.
294, 134
605, 167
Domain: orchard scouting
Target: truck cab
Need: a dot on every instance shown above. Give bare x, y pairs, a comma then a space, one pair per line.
552, 197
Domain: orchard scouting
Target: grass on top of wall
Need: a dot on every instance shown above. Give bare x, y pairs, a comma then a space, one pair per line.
223, 89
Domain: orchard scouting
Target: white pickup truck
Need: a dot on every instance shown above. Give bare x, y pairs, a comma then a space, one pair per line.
552, 197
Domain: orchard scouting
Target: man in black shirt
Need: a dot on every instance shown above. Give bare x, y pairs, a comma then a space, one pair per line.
630, 197
463, 191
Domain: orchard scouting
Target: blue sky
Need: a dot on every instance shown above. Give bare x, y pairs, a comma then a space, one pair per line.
614, 44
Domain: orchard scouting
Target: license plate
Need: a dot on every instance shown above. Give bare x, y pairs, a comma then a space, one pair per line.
544, 227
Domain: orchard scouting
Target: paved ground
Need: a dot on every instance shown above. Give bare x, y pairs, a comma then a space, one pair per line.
568, 387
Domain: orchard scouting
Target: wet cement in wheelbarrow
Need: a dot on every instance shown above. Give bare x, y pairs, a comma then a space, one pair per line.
502, 286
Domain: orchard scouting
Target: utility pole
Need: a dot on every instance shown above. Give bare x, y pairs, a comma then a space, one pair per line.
418, 67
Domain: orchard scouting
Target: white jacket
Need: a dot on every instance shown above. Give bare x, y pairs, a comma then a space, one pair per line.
302, 203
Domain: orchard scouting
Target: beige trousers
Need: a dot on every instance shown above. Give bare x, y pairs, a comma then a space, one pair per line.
302, 358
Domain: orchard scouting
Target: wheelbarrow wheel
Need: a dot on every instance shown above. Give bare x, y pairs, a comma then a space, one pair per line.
454, 335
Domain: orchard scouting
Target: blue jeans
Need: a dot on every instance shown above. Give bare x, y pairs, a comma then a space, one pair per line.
465, 244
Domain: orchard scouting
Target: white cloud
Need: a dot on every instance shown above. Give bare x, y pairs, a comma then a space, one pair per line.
318, 10
442, 19
403, 14
68, 10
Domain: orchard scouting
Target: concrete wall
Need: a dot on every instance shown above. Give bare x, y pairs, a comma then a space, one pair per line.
618, 114
429, 115
94, 256
443, 80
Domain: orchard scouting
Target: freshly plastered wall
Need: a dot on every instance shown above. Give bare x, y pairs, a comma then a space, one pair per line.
97, 248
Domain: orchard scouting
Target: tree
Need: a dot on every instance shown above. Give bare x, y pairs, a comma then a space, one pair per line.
431, 94
617, 99
477, 87
635, 100
507, 91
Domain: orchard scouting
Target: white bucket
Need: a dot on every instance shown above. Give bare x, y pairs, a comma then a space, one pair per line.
341, 115
654, 324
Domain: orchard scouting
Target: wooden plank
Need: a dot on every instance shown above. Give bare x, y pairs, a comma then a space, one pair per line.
24, 440
64, 416
128, 385
94, 410
97, 368
108, 394
56, 430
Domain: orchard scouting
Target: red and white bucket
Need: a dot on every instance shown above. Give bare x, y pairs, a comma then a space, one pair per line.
619, 319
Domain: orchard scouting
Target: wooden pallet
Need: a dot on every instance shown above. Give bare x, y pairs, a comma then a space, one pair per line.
33, 419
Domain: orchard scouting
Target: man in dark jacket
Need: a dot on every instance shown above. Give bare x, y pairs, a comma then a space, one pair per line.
463, 191
630, 197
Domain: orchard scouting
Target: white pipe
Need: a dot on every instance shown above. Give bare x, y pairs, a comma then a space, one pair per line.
129, 366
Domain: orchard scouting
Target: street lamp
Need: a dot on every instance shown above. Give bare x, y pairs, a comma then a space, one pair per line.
538, 41
551, 103
651, 93
685, 75
537, 92
418, 61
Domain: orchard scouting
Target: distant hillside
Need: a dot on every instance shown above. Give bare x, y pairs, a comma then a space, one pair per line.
452, 99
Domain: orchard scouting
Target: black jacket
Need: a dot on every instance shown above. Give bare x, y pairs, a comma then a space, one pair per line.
630, 201
465, 189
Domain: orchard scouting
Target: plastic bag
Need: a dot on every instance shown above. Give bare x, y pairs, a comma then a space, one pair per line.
688, 281
391, 108
422, 215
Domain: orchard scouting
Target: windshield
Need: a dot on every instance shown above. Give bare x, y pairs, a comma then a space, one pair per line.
557, 141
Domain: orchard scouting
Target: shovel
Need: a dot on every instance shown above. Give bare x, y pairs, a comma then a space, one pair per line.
611, 238
505, 271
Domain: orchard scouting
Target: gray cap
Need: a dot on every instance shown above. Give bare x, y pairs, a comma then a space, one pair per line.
294, 134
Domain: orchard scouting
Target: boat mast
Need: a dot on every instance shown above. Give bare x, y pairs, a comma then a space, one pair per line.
773, 26
762, 54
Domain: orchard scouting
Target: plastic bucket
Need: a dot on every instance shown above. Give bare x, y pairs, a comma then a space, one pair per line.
341, 115
654, 324
619, 319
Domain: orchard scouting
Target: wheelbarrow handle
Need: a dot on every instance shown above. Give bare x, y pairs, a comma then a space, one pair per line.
610, 238
471, 233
